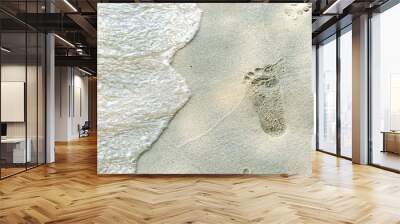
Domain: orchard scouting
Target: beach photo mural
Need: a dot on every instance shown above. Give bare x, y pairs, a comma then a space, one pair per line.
186, 88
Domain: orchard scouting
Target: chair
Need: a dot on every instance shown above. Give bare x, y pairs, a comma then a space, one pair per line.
84, 130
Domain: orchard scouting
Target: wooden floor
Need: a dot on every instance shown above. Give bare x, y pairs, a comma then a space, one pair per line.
5, 172
9, 171
69, 191
387, 159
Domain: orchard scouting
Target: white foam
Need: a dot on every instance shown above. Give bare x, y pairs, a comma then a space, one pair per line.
138, 90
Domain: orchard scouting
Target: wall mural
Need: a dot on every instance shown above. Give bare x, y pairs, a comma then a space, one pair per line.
204, 88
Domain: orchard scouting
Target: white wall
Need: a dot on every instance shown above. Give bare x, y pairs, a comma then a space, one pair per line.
70, 84
16, 73
13, 72
79, 110
13, 101
62, 82
34, 126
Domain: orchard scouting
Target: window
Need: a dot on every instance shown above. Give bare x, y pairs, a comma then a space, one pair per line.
22, 77
346, 92
333, 138
327, 95
385, 89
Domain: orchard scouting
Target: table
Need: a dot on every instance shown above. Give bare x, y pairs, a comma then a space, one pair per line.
391, 141
16, 147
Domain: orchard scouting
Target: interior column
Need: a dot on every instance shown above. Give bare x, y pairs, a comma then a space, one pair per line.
360, 90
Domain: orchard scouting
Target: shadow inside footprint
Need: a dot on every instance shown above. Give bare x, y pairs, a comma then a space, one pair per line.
264, 89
